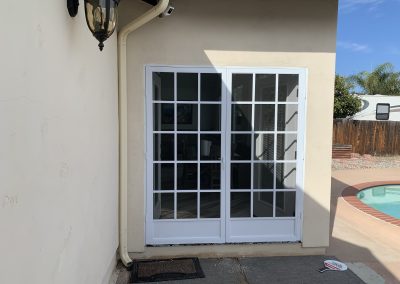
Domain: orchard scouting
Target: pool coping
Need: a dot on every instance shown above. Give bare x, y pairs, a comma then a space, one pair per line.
349, 194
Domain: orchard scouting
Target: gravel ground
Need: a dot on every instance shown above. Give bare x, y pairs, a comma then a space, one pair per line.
366, 162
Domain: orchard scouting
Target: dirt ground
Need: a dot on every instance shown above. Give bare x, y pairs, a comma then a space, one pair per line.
366, 162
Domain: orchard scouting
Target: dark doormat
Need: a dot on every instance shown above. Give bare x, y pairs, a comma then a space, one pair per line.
165, 270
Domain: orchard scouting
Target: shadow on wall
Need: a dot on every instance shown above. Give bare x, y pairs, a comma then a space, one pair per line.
346, 225
251, 25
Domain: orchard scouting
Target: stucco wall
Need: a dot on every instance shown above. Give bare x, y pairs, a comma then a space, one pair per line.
274, 33
58, 147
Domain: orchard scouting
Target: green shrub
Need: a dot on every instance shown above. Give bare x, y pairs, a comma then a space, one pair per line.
345, 104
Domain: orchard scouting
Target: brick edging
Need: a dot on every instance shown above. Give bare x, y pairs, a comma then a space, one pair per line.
349, 194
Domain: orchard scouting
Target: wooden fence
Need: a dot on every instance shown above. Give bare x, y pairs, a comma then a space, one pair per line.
368, 137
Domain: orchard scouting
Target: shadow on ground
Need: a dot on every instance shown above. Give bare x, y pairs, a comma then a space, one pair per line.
300, 269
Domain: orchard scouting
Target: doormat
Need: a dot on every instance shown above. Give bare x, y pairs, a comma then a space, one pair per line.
166, 270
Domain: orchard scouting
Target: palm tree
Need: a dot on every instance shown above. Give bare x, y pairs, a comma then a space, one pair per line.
382, 80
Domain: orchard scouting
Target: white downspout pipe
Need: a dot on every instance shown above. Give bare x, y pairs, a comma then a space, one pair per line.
123, 124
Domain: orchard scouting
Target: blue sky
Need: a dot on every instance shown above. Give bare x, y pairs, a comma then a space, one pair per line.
368, 35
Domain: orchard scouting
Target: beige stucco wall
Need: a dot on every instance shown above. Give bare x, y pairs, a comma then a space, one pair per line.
58, 147
274, 33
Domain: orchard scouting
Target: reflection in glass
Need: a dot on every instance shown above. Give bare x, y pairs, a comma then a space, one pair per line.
187, 176
286, 147
186, 206
211, 87
265, 87
187, 147
210, 147
187, 117
288, 88
241, 147
163, 206
163, 86
264, 119
240, 204
164, 176
287, 117
187, 86
285, 204
210, 176
286, 175
210, 203
264, 147
163, 147
263, 176
241, 118
263, 204
241, 176
242, 87
210, 117
163, 117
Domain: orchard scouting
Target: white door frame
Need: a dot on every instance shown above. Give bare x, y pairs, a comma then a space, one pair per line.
225, 224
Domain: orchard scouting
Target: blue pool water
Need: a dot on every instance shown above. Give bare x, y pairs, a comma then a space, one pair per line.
384, 198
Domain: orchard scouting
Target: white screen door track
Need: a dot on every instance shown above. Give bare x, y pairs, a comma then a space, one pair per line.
225, 154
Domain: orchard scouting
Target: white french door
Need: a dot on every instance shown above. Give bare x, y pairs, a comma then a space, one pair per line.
225, 154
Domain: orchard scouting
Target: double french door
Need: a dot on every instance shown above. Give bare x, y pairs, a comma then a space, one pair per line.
224, 154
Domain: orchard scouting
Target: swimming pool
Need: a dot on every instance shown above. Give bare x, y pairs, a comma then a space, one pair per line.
384, 198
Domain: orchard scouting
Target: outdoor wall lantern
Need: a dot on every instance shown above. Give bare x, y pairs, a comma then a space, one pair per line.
101, 17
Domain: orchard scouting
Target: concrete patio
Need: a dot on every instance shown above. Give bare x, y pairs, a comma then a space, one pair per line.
357, 238
300, 269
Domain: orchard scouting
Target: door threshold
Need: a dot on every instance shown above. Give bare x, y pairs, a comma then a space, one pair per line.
227, 250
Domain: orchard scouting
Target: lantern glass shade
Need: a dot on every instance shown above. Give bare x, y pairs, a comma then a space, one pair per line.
101, 18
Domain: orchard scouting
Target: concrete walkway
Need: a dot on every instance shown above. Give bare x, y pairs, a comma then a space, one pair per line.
285, 270
368, 244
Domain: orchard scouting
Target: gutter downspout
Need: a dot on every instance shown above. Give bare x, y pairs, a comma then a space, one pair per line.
123, 124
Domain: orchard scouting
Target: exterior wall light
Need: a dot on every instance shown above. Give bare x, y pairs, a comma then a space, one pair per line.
101, 17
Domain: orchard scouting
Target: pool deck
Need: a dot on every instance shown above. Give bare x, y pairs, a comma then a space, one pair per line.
358, 237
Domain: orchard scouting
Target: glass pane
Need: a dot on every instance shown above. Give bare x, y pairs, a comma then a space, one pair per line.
286, 147
187, 147
211, 87
163, 119
265, 87
241, 176
241, 147
287, 118
210, 176
242, 87
263, 204
187, 176
210, 147
187, 86
186, 206
241, 118
163, 147
163, 206
288, 88
163, 86
164, 176
240, 204
264, 119
285, 204
263, 176
210, 118
263, 147
187, 117
286, 175
210, 203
